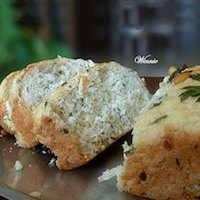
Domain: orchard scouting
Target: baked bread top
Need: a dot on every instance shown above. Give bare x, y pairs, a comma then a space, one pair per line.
173, 104
89, 112
164, 157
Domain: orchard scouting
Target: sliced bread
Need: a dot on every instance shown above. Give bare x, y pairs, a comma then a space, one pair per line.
34, 83
89, 112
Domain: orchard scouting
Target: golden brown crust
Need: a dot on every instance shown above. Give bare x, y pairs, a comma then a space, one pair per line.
64, 145
23, 120
2, 114
21, 116
4, 97
168, 169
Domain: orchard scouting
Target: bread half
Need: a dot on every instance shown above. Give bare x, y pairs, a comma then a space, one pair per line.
89, 112
163, 161
34, 83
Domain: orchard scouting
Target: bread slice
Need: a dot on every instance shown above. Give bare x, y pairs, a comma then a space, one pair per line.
5, 108
89, 112
34, 83
163, 161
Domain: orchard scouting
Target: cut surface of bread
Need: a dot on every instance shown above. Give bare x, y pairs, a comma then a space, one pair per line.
163, 161
42, 78
5, 108
34, 83
89, 112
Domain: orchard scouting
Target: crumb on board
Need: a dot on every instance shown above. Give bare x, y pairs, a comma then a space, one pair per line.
110, 173
35, 194
10, 150
18, 165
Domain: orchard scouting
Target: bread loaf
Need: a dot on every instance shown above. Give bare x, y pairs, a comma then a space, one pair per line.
89, 112
27, 90
163, 161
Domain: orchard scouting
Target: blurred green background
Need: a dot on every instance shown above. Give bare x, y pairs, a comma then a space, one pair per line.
21, 45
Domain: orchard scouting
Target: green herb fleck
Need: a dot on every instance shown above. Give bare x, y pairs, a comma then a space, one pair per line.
185, 67
155, 105
195, 77
160, 119
190, 91
45, 104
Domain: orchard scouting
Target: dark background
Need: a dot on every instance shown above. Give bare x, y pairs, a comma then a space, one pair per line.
33, 30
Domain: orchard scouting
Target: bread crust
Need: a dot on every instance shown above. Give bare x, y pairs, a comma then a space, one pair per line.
21, 115
2, 114
23, 120
65, 146
167, 169
4, 98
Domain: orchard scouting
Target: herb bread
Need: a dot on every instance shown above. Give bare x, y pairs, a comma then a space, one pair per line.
163, 161
30, 86
89, 112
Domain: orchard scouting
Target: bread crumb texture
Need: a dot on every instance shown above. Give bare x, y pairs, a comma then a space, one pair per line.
42, 78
